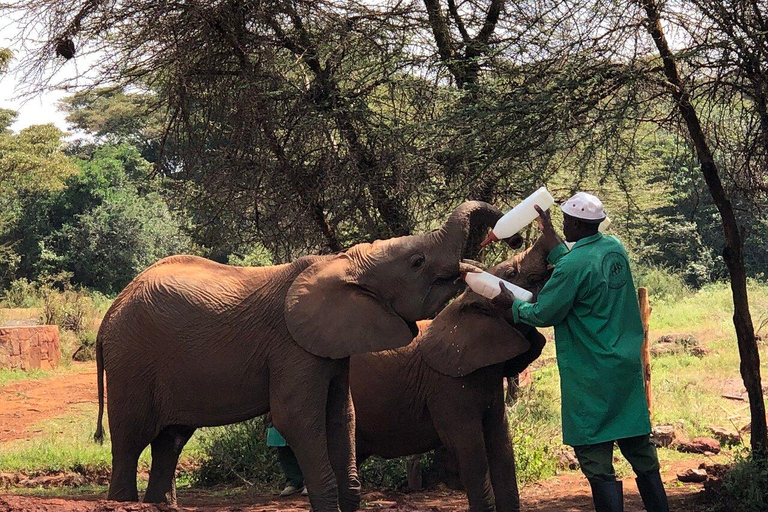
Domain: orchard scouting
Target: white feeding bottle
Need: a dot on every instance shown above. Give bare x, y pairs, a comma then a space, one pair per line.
487, 285
520, 216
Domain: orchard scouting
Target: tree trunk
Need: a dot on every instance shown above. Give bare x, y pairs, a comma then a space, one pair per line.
733, 251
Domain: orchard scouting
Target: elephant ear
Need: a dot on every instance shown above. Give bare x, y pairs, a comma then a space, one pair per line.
517, 364
329, 315
467, 336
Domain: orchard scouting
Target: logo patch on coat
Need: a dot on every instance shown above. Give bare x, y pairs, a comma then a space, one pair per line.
615, 270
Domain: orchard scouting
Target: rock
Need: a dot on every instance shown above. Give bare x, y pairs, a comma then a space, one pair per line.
700, 351
568, 460
663, 435
700, 445
715, 470
665, 349
678, 344
9, 479
692, 476
56, 480
30, 347
725, 436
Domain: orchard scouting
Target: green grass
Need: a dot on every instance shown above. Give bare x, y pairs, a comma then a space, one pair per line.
7, 376
10, 376
66, 445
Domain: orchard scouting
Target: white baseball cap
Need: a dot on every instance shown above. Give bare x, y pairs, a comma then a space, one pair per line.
584, 206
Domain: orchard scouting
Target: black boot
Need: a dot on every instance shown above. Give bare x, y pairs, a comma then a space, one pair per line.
652, 492
608, 496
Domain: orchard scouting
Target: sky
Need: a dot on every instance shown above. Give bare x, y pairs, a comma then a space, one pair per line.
15, 94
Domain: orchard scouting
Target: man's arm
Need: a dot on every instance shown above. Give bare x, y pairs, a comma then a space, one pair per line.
554, 302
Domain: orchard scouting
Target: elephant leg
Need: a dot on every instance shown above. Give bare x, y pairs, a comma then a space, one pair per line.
467, 444
166, 448
341, 442
298, 410
501, 460
127, 446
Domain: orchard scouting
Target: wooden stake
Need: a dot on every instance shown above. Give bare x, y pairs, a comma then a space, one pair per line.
645, 316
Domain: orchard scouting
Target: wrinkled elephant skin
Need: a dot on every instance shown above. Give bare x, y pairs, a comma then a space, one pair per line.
192, 343
446, 388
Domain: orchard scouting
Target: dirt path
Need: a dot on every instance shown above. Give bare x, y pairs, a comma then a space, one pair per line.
565, 493
26, 403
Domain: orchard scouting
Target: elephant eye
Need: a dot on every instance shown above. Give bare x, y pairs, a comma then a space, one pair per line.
417, 260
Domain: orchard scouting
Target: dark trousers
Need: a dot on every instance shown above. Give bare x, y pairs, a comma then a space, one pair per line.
290, 466
596, 460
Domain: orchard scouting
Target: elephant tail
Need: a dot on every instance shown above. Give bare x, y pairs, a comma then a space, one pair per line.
99, 435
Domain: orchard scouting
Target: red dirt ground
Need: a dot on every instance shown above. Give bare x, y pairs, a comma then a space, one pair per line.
24, 404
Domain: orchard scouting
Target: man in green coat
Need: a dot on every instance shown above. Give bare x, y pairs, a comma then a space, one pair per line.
592, 303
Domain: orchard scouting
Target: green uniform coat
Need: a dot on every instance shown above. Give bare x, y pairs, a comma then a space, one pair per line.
274, 438
592, 303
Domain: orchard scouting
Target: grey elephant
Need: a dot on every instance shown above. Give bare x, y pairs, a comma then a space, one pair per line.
446, 388
191, 343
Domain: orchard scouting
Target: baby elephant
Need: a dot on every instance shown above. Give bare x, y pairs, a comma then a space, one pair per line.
446, 387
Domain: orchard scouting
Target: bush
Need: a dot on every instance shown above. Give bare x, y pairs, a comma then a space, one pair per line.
534, 421
112, 243
662, 284
21, 294
69, 309
391, 473
744, 488
86, 350
236, 454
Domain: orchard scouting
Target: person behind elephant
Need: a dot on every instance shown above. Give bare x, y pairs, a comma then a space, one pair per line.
446, 389
289, 464
592, 303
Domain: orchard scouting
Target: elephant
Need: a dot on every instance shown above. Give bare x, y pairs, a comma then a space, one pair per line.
446, 388
192, 343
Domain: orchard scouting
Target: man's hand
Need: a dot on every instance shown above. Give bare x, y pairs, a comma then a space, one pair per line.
504, 300
549, 236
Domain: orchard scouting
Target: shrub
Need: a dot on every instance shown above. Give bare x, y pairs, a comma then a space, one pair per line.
391, 473
21, 294
236, 454
662, 284
68, 309
112, 243
744, 488
535, 428
86, 350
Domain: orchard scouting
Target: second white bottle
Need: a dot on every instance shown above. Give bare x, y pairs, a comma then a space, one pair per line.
487, 285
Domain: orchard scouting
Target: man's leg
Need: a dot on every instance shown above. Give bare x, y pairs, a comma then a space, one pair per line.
293, 476
641, 454
596, 461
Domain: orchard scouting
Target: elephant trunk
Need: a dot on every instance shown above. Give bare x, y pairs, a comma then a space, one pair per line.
467, 226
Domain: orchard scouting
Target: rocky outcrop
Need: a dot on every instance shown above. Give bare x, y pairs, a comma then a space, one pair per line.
30, 347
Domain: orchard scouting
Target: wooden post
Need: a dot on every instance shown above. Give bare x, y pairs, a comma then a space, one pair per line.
645, 316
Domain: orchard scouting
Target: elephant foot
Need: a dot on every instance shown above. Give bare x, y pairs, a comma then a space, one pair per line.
123, 495
156, 496
350, 504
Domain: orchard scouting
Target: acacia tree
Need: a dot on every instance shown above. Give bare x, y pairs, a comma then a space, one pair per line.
733, 251
314, 125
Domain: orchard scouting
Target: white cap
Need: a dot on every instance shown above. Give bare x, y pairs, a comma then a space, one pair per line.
584, 206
